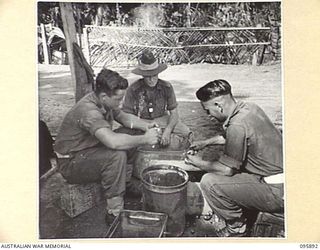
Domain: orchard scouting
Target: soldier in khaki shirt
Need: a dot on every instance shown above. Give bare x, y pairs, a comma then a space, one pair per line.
248, 173
92, 151
153, 99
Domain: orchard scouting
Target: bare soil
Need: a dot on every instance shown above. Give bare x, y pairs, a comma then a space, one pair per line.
259, 84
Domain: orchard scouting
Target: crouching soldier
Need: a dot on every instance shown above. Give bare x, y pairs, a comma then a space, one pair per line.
248, 175
93, 151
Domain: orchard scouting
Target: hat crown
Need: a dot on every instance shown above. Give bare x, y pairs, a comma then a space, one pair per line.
147, 57
148, 65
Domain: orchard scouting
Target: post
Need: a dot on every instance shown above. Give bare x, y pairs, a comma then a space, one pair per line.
188, 14
79, 77
79, 25
86, 45
44, 44
118, 15
275, 37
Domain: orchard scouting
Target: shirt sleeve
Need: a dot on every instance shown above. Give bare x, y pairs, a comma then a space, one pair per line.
171, 101
129, 101
235, 147
92, 121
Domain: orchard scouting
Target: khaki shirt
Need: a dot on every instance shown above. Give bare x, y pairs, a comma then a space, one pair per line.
149, 102
80, 124
253, 143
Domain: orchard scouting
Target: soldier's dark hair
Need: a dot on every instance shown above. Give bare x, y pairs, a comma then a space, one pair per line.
109, 82
213, 89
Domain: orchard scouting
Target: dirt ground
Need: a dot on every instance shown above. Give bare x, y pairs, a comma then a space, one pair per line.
259, 84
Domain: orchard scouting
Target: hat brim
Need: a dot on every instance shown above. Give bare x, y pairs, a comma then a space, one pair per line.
153, 72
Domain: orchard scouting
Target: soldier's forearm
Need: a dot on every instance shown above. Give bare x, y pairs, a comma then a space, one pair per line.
173, 120
218, 139
132, 121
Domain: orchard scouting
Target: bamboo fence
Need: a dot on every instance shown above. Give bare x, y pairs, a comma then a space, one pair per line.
121, 46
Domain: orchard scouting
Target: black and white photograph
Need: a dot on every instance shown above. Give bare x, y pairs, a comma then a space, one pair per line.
160, 120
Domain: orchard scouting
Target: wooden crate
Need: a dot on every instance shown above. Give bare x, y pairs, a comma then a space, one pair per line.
269, 225
76, 199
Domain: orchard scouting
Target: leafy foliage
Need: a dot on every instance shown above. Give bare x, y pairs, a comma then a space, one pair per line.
240, 14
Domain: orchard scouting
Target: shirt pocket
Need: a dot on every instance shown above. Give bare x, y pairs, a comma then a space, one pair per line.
161, 102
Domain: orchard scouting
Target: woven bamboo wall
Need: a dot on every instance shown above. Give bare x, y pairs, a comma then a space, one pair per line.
120, 46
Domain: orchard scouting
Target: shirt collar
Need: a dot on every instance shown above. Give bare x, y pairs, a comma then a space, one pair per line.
236, 109
158, 85
97, 102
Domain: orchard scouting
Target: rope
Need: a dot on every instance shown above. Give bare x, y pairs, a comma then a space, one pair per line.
177, 29
195, 46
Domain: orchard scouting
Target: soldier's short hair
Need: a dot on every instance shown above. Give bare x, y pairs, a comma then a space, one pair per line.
213, 89
109, 81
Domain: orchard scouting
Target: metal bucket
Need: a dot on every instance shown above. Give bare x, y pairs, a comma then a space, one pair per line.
147, 155
165, 191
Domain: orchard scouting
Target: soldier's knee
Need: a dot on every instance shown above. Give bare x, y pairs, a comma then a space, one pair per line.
205, 182
183, 129
208, 181
117, 161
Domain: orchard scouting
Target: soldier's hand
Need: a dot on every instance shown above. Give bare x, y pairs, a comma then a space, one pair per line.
152, 136
165, 138
153, 125
193, 160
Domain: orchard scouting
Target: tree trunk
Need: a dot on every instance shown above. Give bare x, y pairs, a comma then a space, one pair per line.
79, 76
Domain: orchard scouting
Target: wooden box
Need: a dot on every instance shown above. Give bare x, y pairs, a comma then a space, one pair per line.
76, 199
269, 225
